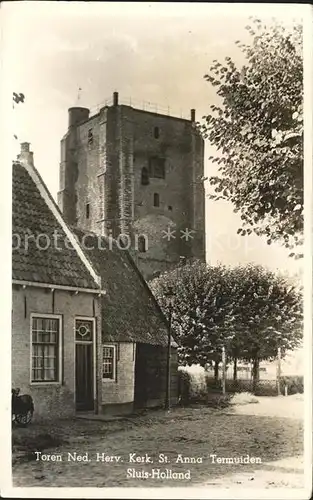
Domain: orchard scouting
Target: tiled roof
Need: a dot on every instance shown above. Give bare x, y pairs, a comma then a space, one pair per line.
130, 312
33, 217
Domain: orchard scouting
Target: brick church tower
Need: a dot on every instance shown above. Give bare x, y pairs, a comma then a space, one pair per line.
136, 176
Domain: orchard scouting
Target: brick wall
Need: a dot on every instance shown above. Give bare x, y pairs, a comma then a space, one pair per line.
88, 183
121, 390
181, 147
67, 197
198, 193
107, 175
57, 399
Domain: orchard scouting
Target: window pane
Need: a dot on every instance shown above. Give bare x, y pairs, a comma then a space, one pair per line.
34, 325
41, 337
37, 375
84, 330
45, 348
55, 325
108, 362
108, 352
49, 374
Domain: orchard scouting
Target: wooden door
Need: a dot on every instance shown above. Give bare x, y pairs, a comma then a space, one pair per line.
84, 365
141, 382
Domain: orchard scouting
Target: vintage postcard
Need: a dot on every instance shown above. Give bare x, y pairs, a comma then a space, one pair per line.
157, 299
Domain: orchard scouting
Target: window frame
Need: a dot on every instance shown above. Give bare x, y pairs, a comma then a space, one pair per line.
59, 350
156, 200
144, 175
151, 168
90, 137
114, 378
141, 239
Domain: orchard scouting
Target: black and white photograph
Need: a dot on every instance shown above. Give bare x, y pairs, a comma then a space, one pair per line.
158, 193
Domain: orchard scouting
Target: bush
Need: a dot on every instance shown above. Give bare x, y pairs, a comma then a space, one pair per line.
232, 386
196, 386
294, 384
266, 388
243, 398
192, 385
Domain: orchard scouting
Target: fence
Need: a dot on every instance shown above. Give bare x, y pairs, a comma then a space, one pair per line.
200, 385
244, 372
143, 105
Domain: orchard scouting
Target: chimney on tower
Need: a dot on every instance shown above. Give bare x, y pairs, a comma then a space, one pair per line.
26, 155
193, 115
115, 98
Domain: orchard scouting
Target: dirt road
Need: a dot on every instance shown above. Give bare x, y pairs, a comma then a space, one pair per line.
187, 447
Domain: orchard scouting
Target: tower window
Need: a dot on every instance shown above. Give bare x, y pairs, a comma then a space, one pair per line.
90, 137
87, 210
170, 207
144, 176
156, 132
142, 244
157, 168
156, 200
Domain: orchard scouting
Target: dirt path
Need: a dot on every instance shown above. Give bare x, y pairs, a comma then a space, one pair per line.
287, 407
203, 436
285, 473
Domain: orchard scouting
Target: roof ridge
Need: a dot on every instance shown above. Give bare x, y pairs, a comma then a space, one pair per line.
52, 206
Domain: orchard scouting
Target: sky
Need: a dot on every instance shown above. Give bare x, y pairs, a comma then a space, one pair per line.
157, 53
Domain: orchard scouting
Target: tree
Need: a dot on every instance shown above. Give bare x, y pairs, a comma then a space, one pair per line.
249, 310
257, 131
199, 306
267, 314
